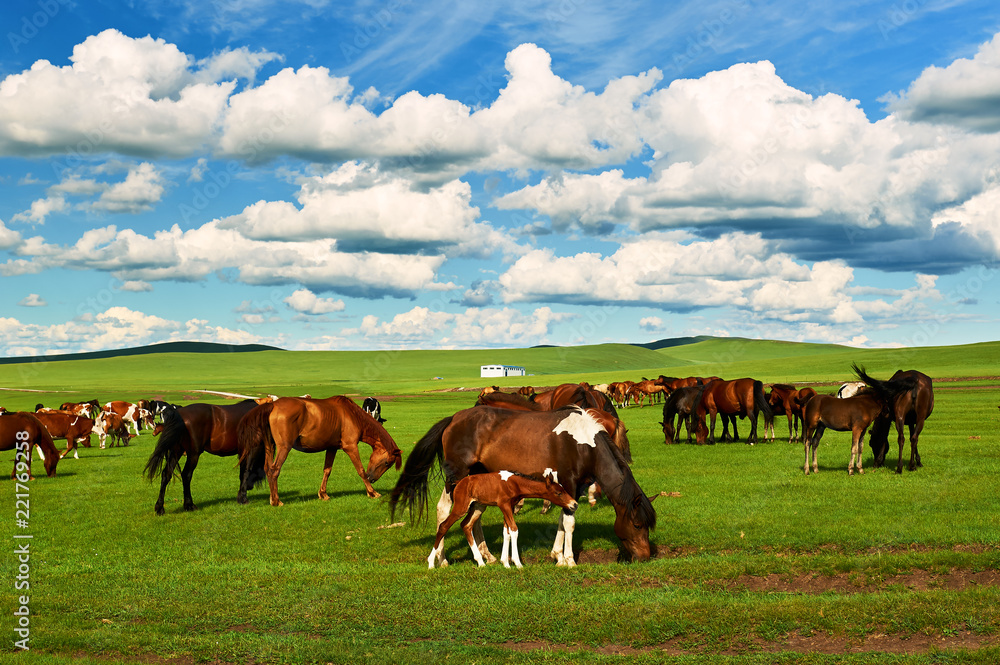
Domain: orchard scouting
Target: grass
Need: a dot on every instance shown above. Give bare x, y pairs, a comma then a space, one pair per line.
318, 581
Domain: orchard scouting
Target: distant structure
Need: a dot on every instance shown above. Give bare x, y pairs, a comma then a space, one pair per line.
500, 370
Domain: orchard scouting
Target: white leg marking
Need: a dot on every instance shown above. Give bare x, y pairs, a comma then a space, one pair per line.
513, 547
569, 521
504, 558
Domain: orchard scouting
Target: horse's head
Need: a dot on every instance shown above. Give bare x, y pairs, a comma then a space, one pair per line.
633, 530
50, 463
668, 431
384, 456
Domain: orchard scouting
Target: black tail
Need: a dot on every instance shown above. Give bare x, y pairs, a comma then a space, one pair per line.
885, 391
411, 488
760, 402
253, 434
167, 450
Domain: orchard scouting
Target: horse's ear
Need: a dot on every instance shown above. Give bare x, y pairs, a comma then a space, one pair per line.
654, 497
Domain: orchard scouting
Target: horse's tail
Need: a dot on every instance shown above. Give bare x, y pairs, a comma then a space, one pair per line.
174, 431
411, 488
887, 391
760, 402
253, 435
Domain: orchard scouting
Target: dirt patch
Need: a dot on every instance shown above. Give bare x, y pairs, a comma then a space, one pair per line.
956, 579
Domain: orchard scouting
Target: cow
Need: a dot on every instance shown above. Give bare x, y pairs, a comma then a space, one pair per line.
66, 425
372, 407
110, 424
131, 414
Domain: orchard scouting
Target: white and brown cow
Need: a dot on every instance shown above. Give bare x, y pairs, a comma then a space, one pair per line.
131, 414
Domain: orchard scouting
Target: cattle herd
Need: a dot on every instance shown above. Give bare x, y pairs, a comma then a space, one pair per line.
555, 444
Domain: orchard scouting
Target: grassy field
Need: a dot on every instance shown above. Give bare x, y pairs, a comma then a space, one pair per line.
756, 563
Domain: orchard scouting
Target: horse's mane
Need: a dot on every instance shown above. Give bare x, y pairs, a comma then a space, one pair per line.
507, 400
371, 429
629, 495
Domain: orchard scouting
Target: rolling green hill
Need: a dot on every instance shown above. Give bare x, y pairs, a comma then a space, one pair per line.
178, 376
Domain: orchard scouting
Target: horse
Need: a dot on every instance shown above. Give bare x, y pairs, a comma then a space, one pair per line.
852, 414
69, 426
22, 430
503, 490
738, 397
787, 400
850, 389
192, 430
645, 389
682, 402
569, 441
311, 425
526, 391
371, 406
911, 408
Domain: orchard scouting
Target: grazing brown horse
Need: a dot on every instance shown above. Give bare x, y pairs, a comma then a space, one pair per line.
911, 408
681, 403
503, 490
852, 414
314, 425
22, 431
192, 430
568, 441
739, 397
645, 389
788, 401
69, 426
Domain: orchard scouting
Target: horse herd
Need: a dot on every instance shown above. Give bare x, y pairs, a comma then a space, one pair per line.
552, 445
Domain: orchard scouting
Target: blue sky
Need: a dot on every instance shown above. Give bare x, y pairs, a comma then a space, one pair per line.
393, 174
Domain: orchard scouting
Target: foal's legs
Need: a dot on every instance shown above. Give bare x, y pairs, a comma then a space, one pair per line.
472, 520
857, 447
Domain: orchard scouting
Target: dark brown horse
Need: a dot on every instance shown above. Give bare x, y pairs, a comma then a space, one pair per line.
911, 408
314, 425
853, 414
681, 404
569, 441
739, 397
788, 401
22, 431
192, 430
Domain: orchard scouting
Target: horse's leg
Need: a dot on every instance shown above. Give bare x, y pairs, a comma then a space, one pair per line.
901, 440
566, 556
186, 473
327, 466
914, 438
169, 464
857, 447
352, 452
481, 541
509, 536
711, 429
736, 433
437, 551
475, 510
273, 467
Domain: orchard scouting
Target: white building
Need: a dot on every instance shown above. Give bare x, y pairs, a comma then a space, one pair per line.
500, 370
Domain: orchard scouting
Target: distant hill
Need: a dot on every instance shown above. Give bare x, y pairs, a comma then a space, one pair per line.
166, 347
673, 341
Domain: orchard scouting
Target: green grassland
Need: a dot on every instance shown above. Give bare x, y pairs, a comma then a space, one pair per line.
341, 581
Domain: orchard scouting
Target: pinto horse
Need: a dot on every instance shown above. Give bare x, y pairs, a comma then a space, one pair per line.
681, 403
852, 414
23, 428
503, 490
66, 425
192, 430
569, 441
739, 397
911, 408
313, 425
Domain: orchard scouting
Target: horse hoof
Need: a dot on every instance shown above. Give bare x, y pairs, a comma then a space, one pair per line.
324, 497
158, 510
189, 507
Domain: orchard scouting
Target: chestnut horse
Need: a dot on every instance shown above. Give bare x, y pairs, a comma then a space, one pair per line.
788, 401
192, 430
911, 408
569, 441
739, 397
503, 490
22, 430
852, 414
313, 425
